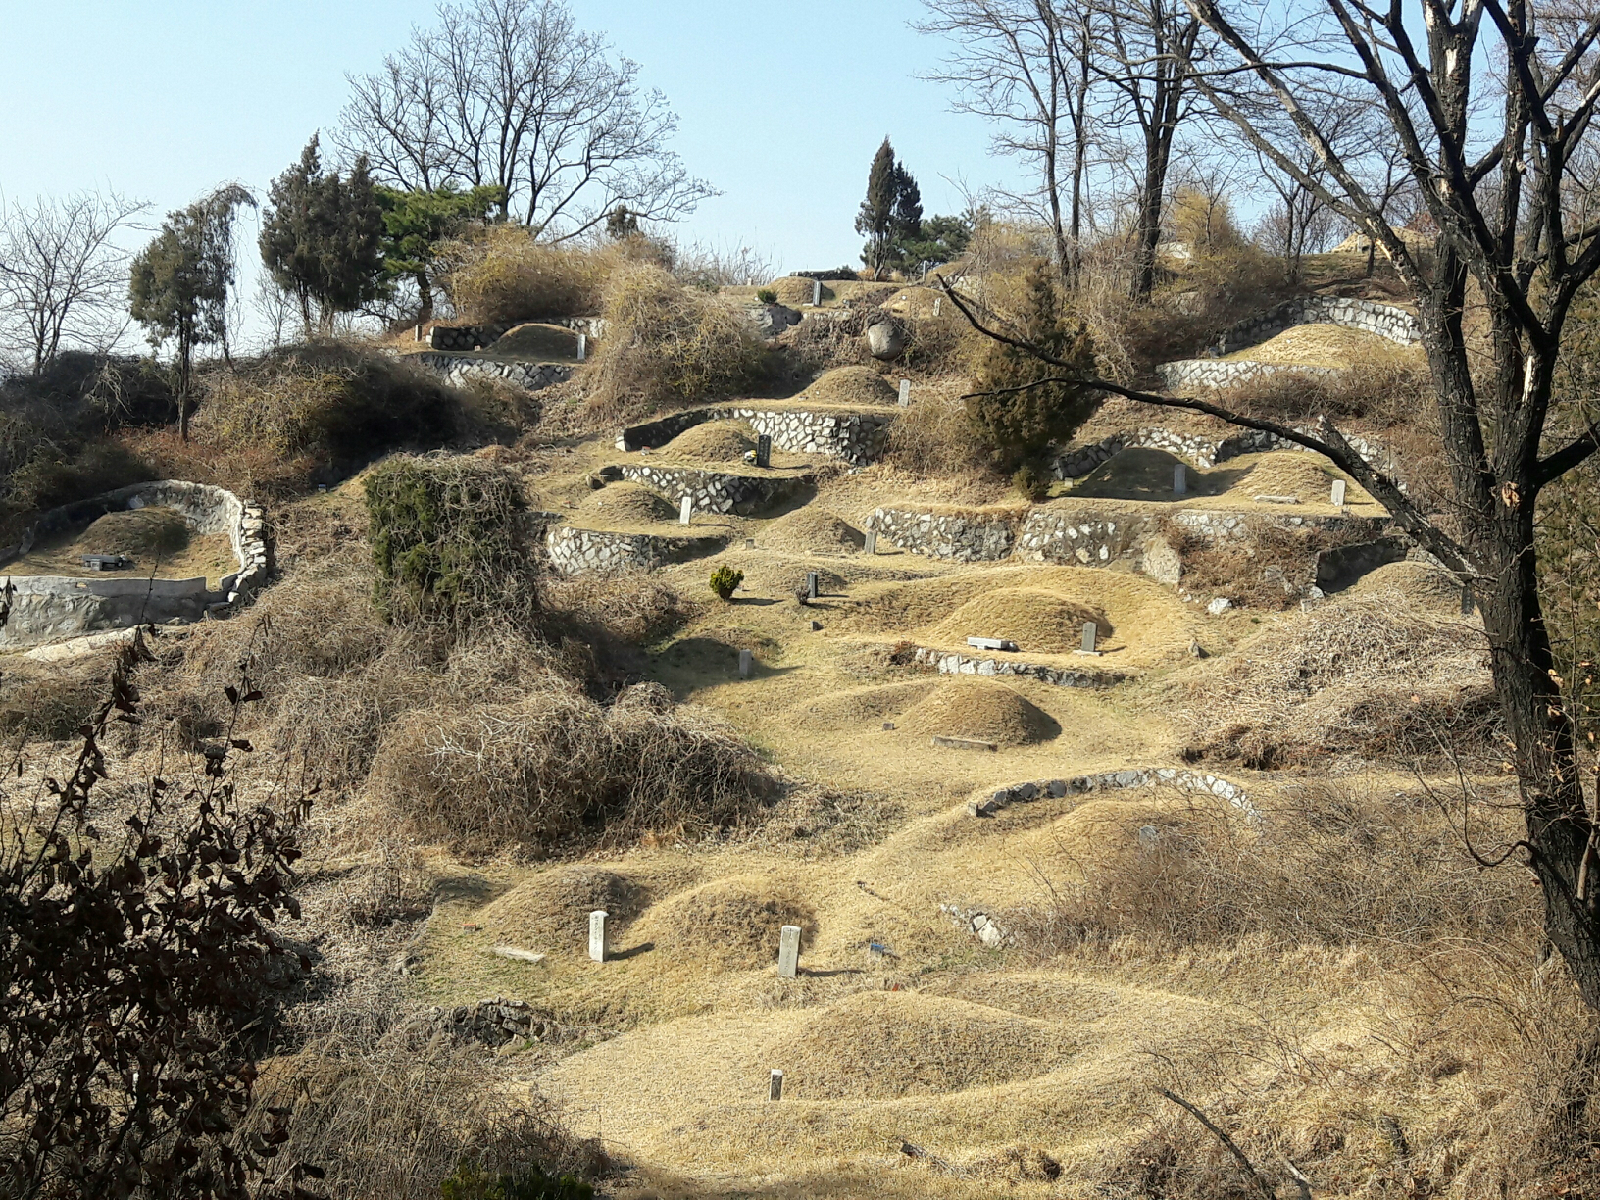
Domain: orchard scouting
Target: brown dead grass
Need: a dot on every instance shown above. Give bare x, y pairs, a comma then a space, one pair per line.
538, 343
1363, 675
140, 533
1038, 620
550, 912
622, 504
713, 442
860, 708
1328, 346
854, 386
886, 1045
731, 923
984, 709
811, 530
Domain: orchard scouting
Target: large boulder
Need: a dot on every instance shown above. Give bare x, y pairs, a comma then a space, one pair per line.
773, 319
886, 341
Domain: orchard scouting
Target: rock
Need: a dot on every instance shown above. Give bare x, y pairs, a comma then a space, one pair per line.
1195, 650
885, 341
1219, 605
1161, 561
512, 952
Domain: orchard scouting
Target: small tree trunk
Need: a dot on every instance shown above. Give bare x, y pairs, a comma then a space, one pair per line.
425, 294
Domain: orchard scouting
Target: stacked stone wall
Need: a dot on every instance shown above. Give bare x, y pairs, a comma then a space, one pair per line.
575, 551
459, 370
715, 491
51, 607
1215, 373
1196, 449
1385, 320
1083, 537
971, 536
948, 663
853, 436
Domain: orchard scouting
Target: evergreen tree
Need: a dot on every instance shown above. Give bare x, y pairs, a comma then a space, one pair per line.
322, 238
876, 219
178, 284
907, 219
415, 222
1019, 426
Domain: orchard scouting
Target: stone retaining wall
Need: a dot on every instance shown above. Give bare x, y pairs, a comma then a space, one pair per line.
716, 491
947, 663
574, 551
476, 337
855, 437
963, 536
1083, 537
459, 370
1385, 320
1213, 524
1215, 373
51, 607
1196, 449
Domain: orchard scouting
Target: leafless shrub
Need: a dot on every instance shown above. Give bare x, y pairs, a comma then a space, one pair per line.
1270, 567
633, 608
498, 274
1365, 675
393, 1114
666, 345
934, 437
545, 767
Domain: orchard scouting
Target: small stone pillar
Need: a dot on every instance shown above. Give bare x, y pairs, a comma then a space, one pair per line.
775, 1089
871, 546
599, 936
1336, 494
583, 346
1087, 645
747, 660
788, 951
905, 393
1180, 480
811, 585
816, 293
685, 508
763, 450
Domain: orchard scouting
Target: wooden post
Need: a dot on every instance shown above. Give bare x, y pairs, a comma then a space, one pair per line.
788, 951
599, 936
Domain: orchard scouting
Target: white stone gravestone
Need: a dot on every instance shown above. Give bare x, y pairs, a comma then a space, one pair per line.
599, 936
583, 346
1087, 644
811, 585
905, 393
871, 546
1336, 494
685, 507
788, 951
816, 293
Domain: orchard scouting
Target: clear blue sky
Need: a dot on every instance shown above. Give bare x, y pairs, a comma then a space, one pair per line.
781, 105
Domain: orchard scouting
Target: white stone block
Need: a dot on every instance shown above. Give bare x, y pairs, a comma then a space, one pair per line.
599, 936
788, 951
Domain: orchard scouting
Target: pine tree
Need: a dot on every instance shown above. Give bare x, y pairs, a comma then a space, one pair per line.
877, 216
907, 219
322, 238
1019, 426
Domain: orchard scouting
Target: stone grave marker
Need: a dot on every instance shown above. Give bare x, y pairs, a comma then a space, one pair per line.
961, 743
788, 951
937, 301
1336, 494
599, 936
747, 660
685, 507
775, 1090
1087, 644
1467, 602
583, 346
811, 585
749, 543
816, 293
905, 393
871, 543
1180, 480
417, 333
987, 643
763, 450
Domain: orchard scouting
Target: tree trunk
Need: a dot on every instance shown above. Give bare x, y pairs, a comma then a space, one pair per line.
1147, 235
425, 298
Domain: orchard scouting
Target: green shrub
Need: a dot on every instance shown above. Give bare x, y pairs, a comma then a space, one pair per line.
447, 539
724, 580
470, 1183
1020, 425
1033, 483
766, 295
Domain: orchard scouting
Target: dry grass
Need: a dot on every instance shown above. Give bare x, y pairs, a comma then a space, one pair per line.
498, 275
394, 1115
551, 910
860, 708
667, 345
138, 533
554, 764
1330, 346
731, 923
933, 437
633, 608
811, 530
1269, 567
49, 702
852, 386
540, 343
619, 505
1038, 620
969, 707
1360, 675
886, 1045
713, 442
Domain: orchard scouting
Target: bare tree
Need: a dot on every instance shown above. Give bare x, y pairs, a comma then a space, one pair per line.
1023, 66
62, 278
1513, 203
1299, 221
511, 93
